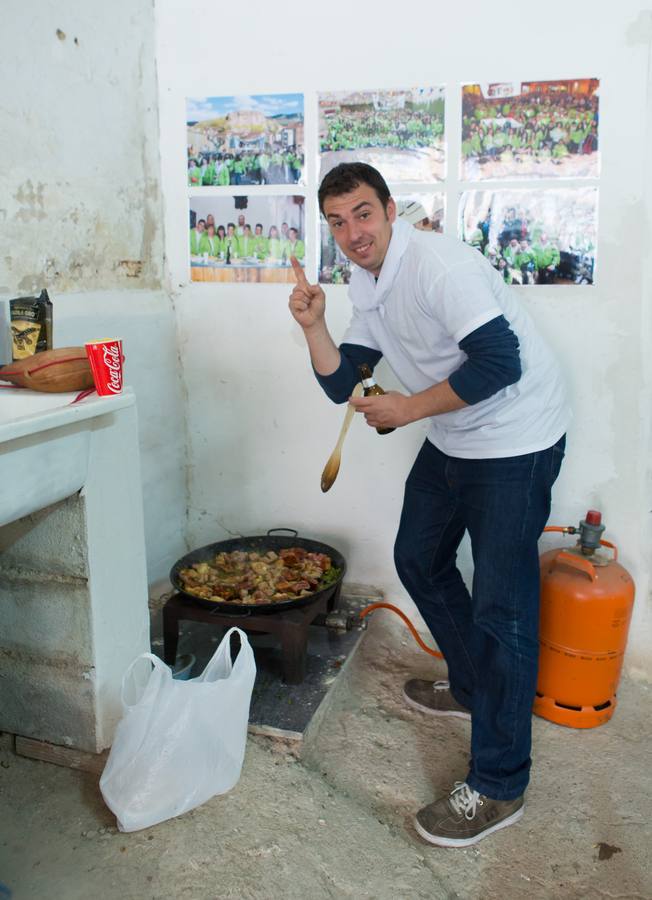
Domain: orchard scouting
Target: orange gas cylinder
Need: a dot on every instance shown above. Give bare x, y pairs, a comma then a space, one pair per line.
586, 606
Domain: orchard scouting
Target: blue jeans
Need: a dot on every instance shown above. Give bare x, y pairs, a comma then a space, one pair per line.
489, 637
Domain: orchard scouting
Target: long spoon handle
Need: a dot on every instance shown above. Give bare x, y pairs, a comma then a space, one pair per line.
332, 467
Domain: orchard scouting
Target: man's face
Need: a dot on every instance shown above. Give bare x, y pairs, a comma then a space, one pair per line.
230, 230
259, 229
361, 227
241, 220
200, 225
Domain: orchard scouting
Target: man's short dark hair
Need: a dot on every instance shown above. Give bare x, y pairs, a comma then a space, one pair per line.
347, 177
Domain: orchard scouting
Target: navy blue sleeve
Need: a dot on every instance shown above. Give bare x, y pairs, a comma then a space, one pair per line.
493, 362
340, 383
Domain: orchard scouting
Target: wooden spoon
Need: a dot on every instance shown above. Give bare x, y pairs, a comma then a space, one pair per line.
332, 467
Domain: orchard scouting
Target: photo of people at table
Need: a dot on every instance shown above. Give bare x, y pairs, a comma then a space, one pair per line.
259, 233
256, 139
399, 132
534, 237
424, 211
540, 129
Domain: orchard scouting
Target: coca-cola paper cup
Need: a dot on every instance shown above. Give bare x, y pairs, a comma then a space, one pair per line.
105, 358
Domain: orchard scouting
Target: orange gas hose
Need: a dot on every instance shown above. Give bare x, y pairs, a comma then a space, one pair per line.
415, 634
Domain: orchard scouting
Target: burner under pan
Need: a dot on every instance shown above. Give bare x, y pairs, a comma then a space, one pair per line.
289, 626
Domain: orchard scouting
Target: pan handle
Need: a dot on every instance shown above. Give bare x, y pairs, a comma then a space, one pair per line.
295, 533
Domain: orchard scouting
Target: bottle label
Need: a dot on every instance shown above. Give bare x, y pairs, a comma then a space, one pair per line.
368, 383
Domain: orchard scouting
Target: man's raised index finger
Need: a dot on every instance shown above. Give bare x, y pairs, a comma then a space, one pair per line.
299, 274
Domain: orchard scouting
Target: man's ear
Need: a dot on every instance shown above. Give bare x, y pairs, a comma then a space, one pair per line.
391, 209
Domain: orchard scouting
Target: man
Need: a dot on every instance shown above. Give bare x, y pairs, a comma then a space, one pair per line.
526, 261
207, 172
511, 253
476, 369
260, 242
294, 246
512, 228
247, 242
231, 241
547, 259
194, 173
196, 236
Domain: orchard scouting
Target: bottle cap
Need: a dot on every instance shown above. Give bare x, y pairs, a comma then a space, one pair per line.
593, 517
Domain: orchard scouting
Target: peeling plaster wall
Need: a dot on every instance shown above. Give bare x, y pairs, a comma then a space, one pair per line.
260, 428
81, 214
80, 204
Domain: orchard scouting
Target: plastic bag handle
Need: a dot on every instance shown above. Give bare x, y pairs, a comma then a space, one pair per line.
158, 664
224, 652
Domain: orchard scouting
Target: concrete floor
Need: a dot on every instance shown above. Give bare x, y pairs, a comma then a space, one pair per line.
337, 824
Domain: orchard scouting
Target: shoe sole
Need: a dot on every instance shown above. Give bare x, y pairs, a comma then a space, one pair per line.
466, 842
457, 714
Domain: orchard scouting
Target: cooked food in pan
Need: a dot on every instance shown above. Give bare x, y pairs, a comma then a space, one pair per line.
257, 578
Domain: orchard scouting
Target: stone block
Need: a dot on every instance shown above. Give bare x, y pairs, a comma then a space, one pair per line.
52, 700
46, 618
51, 541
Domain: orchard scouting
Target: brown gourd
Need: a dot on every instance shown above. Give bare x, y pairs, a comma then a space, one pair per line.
53, 371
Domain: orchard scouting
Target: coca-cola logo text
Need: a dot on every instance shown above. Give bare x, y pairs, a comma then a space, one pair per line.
113, 363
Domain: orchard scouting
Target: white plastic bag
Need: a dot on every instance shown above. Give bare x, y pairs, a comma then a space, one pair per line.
182, 742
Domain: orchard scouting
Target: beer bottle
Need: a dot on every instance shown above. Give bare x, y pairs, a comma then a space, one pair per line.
371, 389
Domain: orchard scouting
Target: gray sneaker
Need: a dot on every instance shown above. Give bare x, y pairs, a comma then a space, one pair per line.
434, 698
465, 817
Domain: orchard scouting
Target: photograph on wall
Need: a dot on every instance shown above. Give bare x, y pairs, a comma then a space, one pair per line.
534, 237
424, 211
246, 239
257, 139
399, 132
530, 129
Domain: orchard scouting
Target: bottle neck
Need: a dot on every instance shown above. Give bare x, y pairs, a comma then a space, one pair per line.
368, 383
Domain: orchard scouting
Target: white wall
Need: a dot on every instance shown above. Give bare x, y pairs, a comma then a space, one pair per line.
146, 323
81, 213
260, 429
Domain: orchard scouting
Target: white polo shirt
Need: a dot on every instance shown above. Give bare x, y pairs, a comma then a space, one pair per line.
432, 292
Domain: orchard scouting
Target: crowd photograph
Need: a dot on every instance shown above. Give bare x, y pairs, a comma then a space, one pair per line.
255, 234
534, 237
424, 211
540, 129
400, 132
249, 140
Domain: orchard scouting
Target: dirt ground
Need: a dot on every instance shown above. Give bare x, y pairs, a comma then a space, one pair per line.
337, 823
